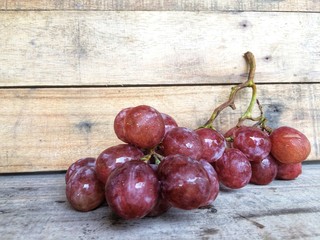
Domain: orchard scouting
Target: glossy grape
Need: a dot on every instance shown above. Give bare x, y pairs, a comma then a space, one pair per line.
183, 141
169, 122
213, 144
113, 157
132, 190
119, 123
289, 145
228, 134
233, 169
184, 182
253, 142
84, 191
264, 172
74, 167
214, 182
288, 171
162, 204
161, 207
144, 126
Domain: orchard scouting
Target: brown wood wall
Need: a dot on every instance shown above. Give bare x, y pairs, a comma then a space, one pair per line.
68, 67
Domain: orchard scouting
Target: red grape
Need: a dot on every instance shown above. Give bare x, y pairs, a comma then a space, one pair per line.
113, 157
214, 183
74, 167
184, 182
288, 171
289, 145
183, 141
213, 144
253, 142
264, 172
84, 191
169, 122
119, 123
132, 190
233, 169
144, 126
160, 208
230, 133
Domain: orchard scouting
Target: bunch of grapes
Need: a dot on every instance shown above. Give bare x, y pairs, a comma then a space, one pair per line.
161, 165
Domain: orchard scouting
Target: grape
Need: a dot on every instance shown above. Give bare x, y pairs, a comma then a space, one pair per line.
144, 126
213, 144
74, 167
169, 122
132, 190
119, 123
264, 172
160, 208
113, 157
230, 133
253, 142
213, 179
162, 204
289, 145
84, 191
184, 182
288, 171
183, 141
233, 169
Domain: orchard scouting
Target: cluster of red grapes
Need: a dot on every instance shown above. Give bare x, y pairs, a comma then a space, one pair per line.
162, 165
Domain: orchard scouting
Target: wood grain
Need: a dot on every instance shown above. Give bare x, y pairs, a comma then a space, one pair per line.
68, 48
164, 5
36, 205
45, 129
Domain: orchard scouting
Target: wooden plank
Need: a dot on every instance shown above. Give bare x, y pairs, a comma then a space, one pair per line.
48, 129
132, 48
166, 5
36, 204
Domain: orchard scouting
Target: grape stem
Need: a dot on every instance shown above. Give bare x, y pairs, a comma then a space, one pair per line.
249, 57
250, 83
146, 158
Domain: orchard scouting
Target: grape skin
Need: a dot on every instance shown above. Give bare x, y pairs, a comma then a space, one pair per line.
289, 145
183, 141
119, 123
113, 157
214, 182
288, 171
74, 167
213, 144
233, 169
84, 191
184, 182
169, 122
144, 127
253, 142
264, 172
132, 190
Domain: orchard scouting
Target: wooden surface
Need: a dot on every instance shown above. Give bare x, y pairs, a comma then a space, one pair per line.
34, 206
164, 5
67, 48
68, 67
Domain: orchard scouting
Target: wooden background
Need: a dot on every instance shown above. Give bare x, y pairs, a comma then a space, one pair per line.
68, 67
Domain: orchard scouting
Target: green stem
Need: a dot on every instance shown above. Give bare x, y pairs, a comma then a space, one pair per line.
234, 90
250, 83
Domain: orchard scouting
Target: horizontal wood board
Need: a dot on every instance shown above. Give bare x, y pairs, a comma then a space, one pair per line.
35, 206
45, 129
98, 48
163, 5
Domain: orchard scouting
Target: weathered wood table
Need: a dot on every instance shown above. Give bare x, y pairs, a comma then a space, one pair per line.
68, 67
35, 207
